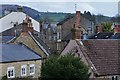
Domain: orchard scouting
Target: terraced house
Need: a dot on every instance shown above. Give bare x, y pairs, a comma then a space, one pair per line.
19, 61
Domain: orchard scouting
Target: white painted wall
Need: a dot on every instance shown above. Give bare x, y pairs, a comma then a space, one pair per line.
5, 22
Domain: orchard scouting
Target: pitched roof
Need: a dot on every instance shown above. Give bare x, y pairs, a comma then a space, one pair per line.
30, 41
6, 36
41, 44
11, 31
101, 55
64, 20
5, 39
17, 52
104, 55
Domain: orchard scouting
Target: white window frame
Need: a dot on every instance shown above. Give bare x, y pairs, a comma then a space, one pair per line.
25, 68
32, 65
10, 69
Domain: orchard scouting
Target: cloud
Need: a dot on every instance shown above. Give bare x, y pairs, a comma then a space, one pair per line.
58, 1
86, 7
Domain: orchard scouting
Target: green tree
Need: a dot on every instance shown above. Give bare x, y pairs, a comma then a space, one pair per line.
107, 26
64, 68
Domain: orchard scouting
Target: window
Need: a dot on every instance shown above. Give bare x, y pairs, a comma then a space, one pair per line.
23, 70
114, 78
50, 37
10, 72
54, 38
32, 69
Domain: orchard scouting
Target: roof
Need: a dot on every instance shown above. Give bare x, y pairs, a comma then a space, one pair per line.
6, 39
104, 55
11, 31
63, 21
115, 36
17, 52
105, 35
101, 55
41, 44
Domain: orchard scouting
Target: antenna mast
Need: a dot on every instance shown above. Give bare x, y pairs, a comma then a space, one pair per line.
75, 7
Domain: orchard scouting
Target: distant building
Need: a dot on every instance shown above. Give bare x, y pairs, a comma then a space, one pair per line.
49, 35
73, 28
15, 18
19, 61
101, 57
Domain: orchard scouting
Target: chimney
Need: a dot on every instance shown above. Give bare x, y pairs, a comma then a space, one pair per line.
24, 29
99, 29
77, 22
27, 26
76, 32
116, 28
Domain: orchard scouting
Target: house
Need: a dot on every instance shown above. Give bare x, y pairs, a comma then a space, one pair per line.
19, 61
72, 26
49, 35
24, 33
31, 39
100, 55
14, 18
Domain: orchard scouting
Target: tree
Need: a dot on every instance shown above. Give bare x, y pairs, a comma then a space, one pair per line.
107, 26
65, 67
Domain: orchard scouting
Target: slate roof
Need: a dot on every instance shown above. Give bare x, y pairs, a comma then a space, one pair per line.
42, 43
17, 52
64, 20
104, 55
11, 31
115, 36
6, 39
105, 35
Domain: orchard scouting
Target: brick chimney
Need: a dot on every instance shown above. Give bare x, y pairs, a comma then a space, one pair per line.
77, 22
27, 26
76, 32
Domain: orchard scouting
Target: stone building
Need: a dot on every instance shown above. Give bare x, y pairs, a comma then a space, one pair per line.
19, 61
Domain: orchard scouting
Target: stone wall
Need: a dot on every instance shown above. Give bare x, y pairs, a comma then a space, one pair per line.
17, 67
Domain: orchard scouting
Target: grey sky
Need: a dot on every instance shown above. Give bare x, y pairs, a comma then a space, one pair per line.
106, 8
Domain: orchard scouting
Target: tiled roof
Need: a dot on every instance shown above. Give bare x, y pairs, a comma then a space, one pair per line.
104, 55
17, 52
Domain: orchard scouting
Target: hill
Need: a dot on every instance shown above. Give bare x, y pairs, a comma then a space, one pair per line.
52, 16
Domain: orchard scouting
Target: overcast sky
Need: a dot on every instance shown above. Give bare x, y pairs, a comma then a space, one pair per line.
105, 7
